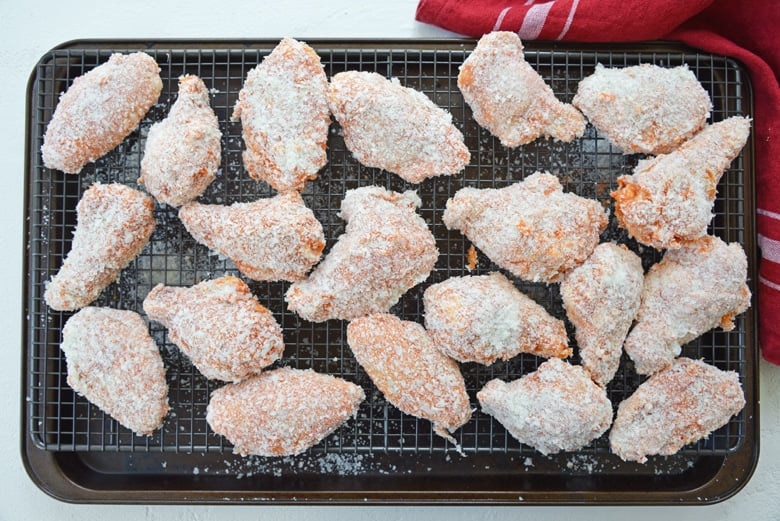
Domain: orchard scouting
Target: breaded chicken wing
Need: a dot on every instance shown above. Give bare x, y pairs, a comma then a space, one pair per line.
113, 361
644, 109
114, 223
395, 128
183, 152
679, 405
269, 239
692, 290
401, 360
99, 110
284, 113
219, 325
601, 298
555, 408
668, 200
509, 98
385, 250
484, 318
281, 412
531, 228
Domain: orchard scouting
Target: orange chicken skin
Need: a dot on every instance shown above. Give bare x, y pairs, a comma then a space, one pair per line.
510, 99
386, 249
531, 228
183, 152
398, 129
219, 325
277, 238
601, 298
679, 405
99, 110
556, 408
114, 362
485, 318
114, 223
283, 107
401, 360
282, 412
668, 200
644, 109
692, 290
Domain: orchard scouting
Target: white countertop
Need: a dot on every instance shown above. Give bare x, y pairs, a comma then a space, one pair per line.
29, 29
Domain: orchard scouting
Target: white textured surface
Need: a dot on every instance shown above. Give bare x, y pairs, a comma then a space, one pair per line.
28, 30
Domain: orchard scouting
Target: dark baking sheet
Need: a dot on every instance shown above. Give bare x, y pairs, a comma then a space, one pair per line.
77, 453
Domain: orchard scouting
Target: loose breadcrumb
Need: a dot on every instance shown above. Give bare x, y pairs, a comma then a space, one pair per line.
471, 258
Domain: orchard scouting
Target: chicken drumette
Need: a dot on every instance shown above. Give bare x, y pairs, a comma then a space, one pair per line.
531, 228
385, 250
219, 325
601, 298
557, 407
99, 110
398, 129
114, 362
677, 406
509, 98
401, 360
692, 290
114, 223
645, 108
281, 412
668, 200
182, 152
485, 318
277, 238
284, 113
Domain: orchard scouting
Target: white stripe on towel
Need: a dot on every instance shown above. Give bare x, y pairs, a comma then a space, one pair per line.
500, 18
767, 213
568, 20
534, 21
769, 283
770, 248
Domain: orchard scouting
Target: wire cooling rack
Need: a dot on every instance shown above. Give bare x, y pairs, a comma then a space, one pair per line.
60, 420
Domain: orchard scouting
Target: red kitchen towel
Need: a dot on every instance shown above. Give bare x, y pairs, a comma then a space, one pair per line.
748, 30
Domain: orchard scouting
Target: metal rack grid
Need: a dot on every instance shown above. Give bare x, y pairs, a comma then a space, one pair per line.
60, 420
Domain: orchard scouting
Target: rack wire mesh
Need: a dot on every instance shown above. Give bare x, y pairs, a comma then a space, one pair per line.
61, 420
